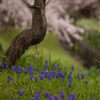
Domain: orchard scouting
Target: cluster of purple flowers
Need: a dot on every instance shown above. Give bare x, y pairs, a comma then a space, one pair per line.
20, 92
72, 97
47, 75
9, 79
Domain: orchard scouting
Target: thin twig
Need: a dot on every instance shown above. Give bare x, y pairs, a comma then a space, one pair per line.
47, 3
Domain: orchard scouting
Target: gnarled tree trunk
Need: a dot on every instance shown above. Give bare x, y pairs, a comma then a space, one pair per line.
30, 36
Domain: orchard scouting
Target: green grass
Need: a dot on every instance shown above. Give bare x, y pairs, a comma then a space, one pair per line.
36, 56
81, 90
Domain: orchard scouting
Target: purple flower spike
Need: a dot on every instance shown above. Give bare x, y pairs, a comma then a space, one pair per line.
70, 72
91, 98
49, 97
45, 74
18, 75
42, 72
39, 91
72, 68
65, 68
30, 71
41, 76
32, 68
8, 80
2, 66
62, 94
57, 75
69, 80
62, 75
46, 61
19, 67
26, 70
13, 68
35, 78
72, 96
78, 76
45, 66
82, 76
7, 67
36, 96
86, 81
49, 77
53, 65
69, 76
56, 97
46, 94
53, 74
69, 85
36, 69
62, 79
31, 76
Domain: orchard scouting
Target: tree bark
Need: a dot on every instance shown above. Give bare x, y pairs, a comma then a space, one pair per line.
30, 36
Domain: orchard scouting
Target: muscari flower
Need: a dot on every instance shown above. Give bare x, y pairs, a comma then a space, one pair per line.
91, 98
62, 94
49, 97
78, 76
19, 67
18, 75
53, 65
8, 80
53, 74
41, 76
35, 78
13, 68
60, 68
72, 68
62, 75
69, 80
55, 97
26, 70
42, 72
31, 76
7, 67
2, 66
82, 76
36, 69
65, 68
45, 66
39, 91
45, 74
30, 71
72, 97
46, 94
49, 76
70, 72
69, 76
36, 96
46, 61
55, 68
20, 92
69, 85
86, 81
62, 79
57, 76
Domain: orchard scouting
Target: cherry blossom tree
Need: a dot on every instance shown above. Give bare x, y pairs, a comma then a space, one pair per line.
56, 12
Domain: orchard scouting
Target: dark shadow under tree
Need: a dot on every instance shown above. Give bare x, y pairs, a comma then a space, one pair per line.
30, 36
